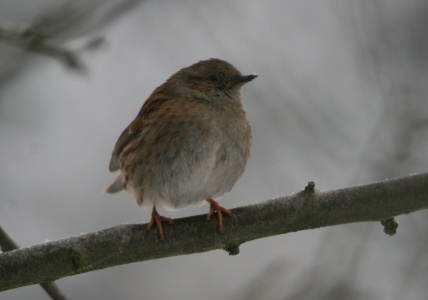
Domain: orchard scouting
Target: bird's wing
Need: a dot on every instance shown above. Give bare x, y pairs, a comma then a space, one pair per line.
133, 131
128, 135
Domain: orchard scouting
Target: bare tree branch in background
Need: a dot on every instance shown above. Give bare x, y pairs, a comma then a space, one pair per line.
124, 244
36, 42
7, 244
56, 24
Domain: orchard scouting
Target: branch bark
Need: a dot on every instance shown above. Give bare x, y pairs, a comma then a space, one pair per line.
7, 244
124, 244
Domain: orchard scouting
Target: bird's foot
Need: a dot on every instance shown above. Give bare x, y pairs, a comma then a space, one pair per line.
158, 219
215, 207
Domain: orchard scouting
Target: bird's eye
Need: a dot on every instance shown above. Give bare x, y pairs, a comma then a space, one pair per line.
213, 78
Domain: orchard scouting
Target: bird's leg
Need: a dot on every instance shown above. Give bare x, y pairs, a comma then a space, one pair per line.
215, 207
156, 218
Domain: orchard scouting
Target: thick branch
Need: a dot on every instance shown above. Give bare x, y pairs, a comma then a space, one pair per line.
130, 243
7, 244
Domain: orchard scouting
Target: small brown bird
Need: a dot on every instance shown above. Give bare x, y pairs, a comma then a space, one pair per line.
190, 141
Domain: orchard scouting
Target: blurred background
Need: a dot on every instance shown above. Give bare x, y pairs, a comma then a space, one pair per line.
340, 99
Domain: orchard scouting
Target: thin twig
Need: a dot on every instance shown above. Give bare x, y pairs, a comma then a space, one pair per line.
37, 43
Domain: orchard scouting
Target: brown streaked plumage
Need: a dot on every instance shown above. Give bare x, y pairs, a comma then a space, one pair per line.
190, 141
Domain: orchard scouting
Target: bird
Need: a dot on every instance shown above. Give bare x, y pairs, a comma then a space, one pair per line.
189, 143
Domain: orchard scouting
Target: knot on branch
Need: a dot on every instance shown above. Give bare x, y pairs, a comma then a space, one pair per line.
75, 259
233, 249
310, 187
390, 226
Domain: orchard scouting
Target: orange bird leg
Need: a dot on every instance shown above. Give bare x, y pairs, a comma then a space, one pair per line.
215, 207
156, 218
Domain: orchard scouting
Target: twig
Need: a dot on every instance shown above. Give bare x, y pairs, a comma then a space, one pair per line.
36, 42
6, 243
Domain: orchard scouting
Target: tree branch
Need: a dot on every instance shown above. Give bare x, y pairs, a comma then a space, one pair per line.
36, 42
124, 244
7, 244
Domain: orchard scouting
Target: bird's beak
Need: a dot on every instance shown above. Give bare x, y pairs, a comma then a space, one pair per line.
244, 79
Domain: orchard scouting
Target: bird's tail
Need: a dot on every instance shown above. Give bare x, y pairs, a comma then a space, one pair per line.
115, 187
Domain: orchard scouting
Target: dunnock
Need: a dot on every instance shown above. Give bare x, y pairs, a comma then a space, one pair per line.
190, 141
